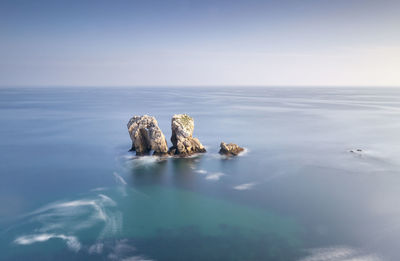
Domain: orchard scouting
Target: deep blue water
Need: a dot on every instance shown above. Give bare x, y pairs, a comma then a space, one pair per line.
70, 190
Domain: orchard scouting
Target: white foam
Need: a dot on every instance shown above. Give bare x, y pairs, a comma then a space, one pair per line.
128, 155
96, 204
201, 171
100, 213
75, 203
146, 161
244, 152
339, 253
71, 241
71, 216
214, 176
113, 225
123, 251
244, 186
98, 189
108, 200
96, 248
120, 180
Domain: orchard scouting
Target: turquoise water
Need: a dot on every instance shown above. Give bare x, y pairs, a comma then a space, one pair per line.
70, 190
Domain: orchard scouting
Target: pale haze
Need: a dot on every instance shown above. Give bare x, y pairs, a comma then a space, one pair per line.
200, 43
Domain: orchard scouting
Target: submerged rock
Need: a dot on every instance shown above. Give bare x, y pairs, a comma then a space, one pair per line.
183, 143
230, 149
358, 152
146, 136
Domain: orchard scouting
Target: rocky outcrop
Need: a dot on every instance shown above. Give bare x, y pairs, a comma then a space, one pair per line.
146, 136
183, 143
230, 149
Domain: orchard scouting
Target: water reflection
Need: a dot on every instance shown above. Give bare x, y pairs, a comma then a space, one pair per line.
173, 171
182, 171
147, 171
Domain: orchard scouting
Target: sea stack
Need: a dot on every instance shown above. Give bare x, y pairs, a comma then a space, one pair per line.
183, 142
230, 149
146, 136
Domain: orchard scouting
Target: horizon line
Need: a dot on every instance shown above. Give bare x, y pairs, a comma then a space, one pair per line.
199, 86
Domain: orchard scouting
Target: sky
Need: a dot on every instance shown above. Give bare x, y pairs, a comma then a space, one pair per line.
200, 43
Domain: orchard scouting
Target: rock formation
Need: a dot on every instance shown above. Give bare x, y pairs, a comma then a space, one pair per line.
146, 136
230, 149
183, 143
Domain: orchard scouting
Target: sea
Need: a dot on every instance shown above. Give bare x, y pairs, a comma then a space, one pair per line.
319, 179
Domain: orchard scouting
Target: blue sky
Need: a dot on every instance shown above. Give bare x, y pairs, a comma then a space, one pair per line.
200, 43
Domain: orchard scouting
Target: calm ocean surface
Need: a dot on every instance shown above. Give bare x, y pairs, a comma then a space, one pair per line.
70, 190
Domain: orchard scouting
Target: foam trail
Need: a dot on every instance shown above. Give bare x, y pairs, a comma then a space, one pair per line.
145, 161
244, 186
201, 171
96, 248
112, 225
106, 199
93, 203
340, 253
66, 212
215, 176
98, 189
61, 220
71, 241
75, 203
124, 251
244, 152
119, 179
128, 157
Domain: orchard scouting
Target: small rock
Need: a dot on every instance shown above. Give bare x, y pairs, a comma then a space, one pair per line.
183, 143
146, 136
230, 149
